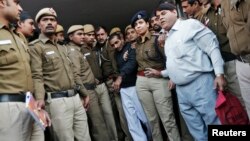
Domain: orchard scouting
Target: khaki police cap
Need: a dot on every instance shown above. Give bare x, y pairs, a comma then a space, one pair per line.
127, 28
114, 30
74, 28
88, 28
59, 28
45, 12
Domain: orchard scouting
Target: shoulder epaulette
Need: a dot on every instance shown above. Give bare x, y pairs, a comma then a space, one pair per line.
34, 42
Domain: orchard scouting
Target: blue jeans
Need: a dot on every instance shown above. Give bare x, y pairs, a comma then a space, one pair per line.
135, 114
197, 105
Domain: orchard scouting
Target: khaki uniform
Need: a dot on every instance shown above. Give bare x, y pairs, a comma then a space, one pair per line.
52, 74
23, 38
94, 60
97, 124
238, 34
216, 25
156, 99
236, 17
15, 77
108, 61
145, 51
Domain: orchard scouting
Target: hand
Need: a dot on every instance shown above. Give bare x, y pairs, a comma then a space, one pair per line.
48, 120
171, 85
125, 56
97, 81
220, 82
40, 104
117, 83
161, 40
85, 102
149, 72
133, 45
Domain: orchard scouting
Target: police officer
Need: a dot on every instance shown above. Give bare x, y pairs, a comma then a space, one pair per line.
152, 91
55, 80
94, 59
16, 124
59, 34
235, 17
97, 124
110, 71
131, 35
214, 22
155, 24
25, 27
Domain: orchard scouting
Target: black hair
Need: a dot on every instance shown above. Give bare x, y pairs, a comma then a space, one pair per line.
100, 27
191, 2
113, 35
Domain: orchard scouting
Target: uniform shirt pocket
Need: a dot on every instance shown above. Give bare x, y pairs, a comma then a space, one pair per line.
52, 59
8, 55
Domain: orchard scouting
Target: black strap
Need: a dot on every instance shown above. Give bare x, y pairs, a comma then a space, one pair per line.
16, 97
62, 94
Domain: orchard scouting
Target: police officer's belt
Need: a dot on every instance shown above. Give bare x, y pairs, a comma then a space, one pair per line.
68, 93
14, 97
244, 58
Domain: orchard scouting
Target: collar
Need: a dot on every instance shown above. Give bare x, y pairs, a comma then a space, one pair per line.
74, 45
45, 39
144, 38
234, 4
2, 25
11, 27
177, 25
199, 15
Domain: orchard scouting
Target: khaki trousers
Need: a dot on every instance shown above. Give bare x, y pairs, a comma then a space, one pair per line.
16, 124
243, 73
157, 103
97, 124
69, 119
105, 103
232, 79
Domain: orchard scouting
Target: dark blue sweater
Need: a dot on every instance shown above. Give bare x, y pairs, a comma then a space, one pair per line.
128, 68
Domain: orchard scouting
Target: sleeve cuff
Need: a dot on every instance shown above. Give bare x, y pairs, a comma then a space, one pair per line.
218, 70
164, 73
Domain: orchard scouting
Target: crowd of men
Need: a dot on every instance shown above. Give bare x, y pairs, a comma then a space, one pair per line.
121, 86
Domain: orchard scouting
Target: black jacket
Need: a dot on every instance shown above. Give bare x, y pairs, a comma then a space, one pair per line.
128, 68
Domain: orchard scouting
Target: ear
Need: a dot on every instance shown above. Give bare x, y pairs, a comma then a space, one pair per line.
39, 26
19, 23
174, 11
147, 24
3, 3
70, 36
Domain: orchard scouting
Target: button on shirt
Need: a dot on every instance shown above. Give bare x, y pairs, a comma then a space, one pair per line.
189, 47
80, 63
145, 51
93, 57
51, 68
15, 73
